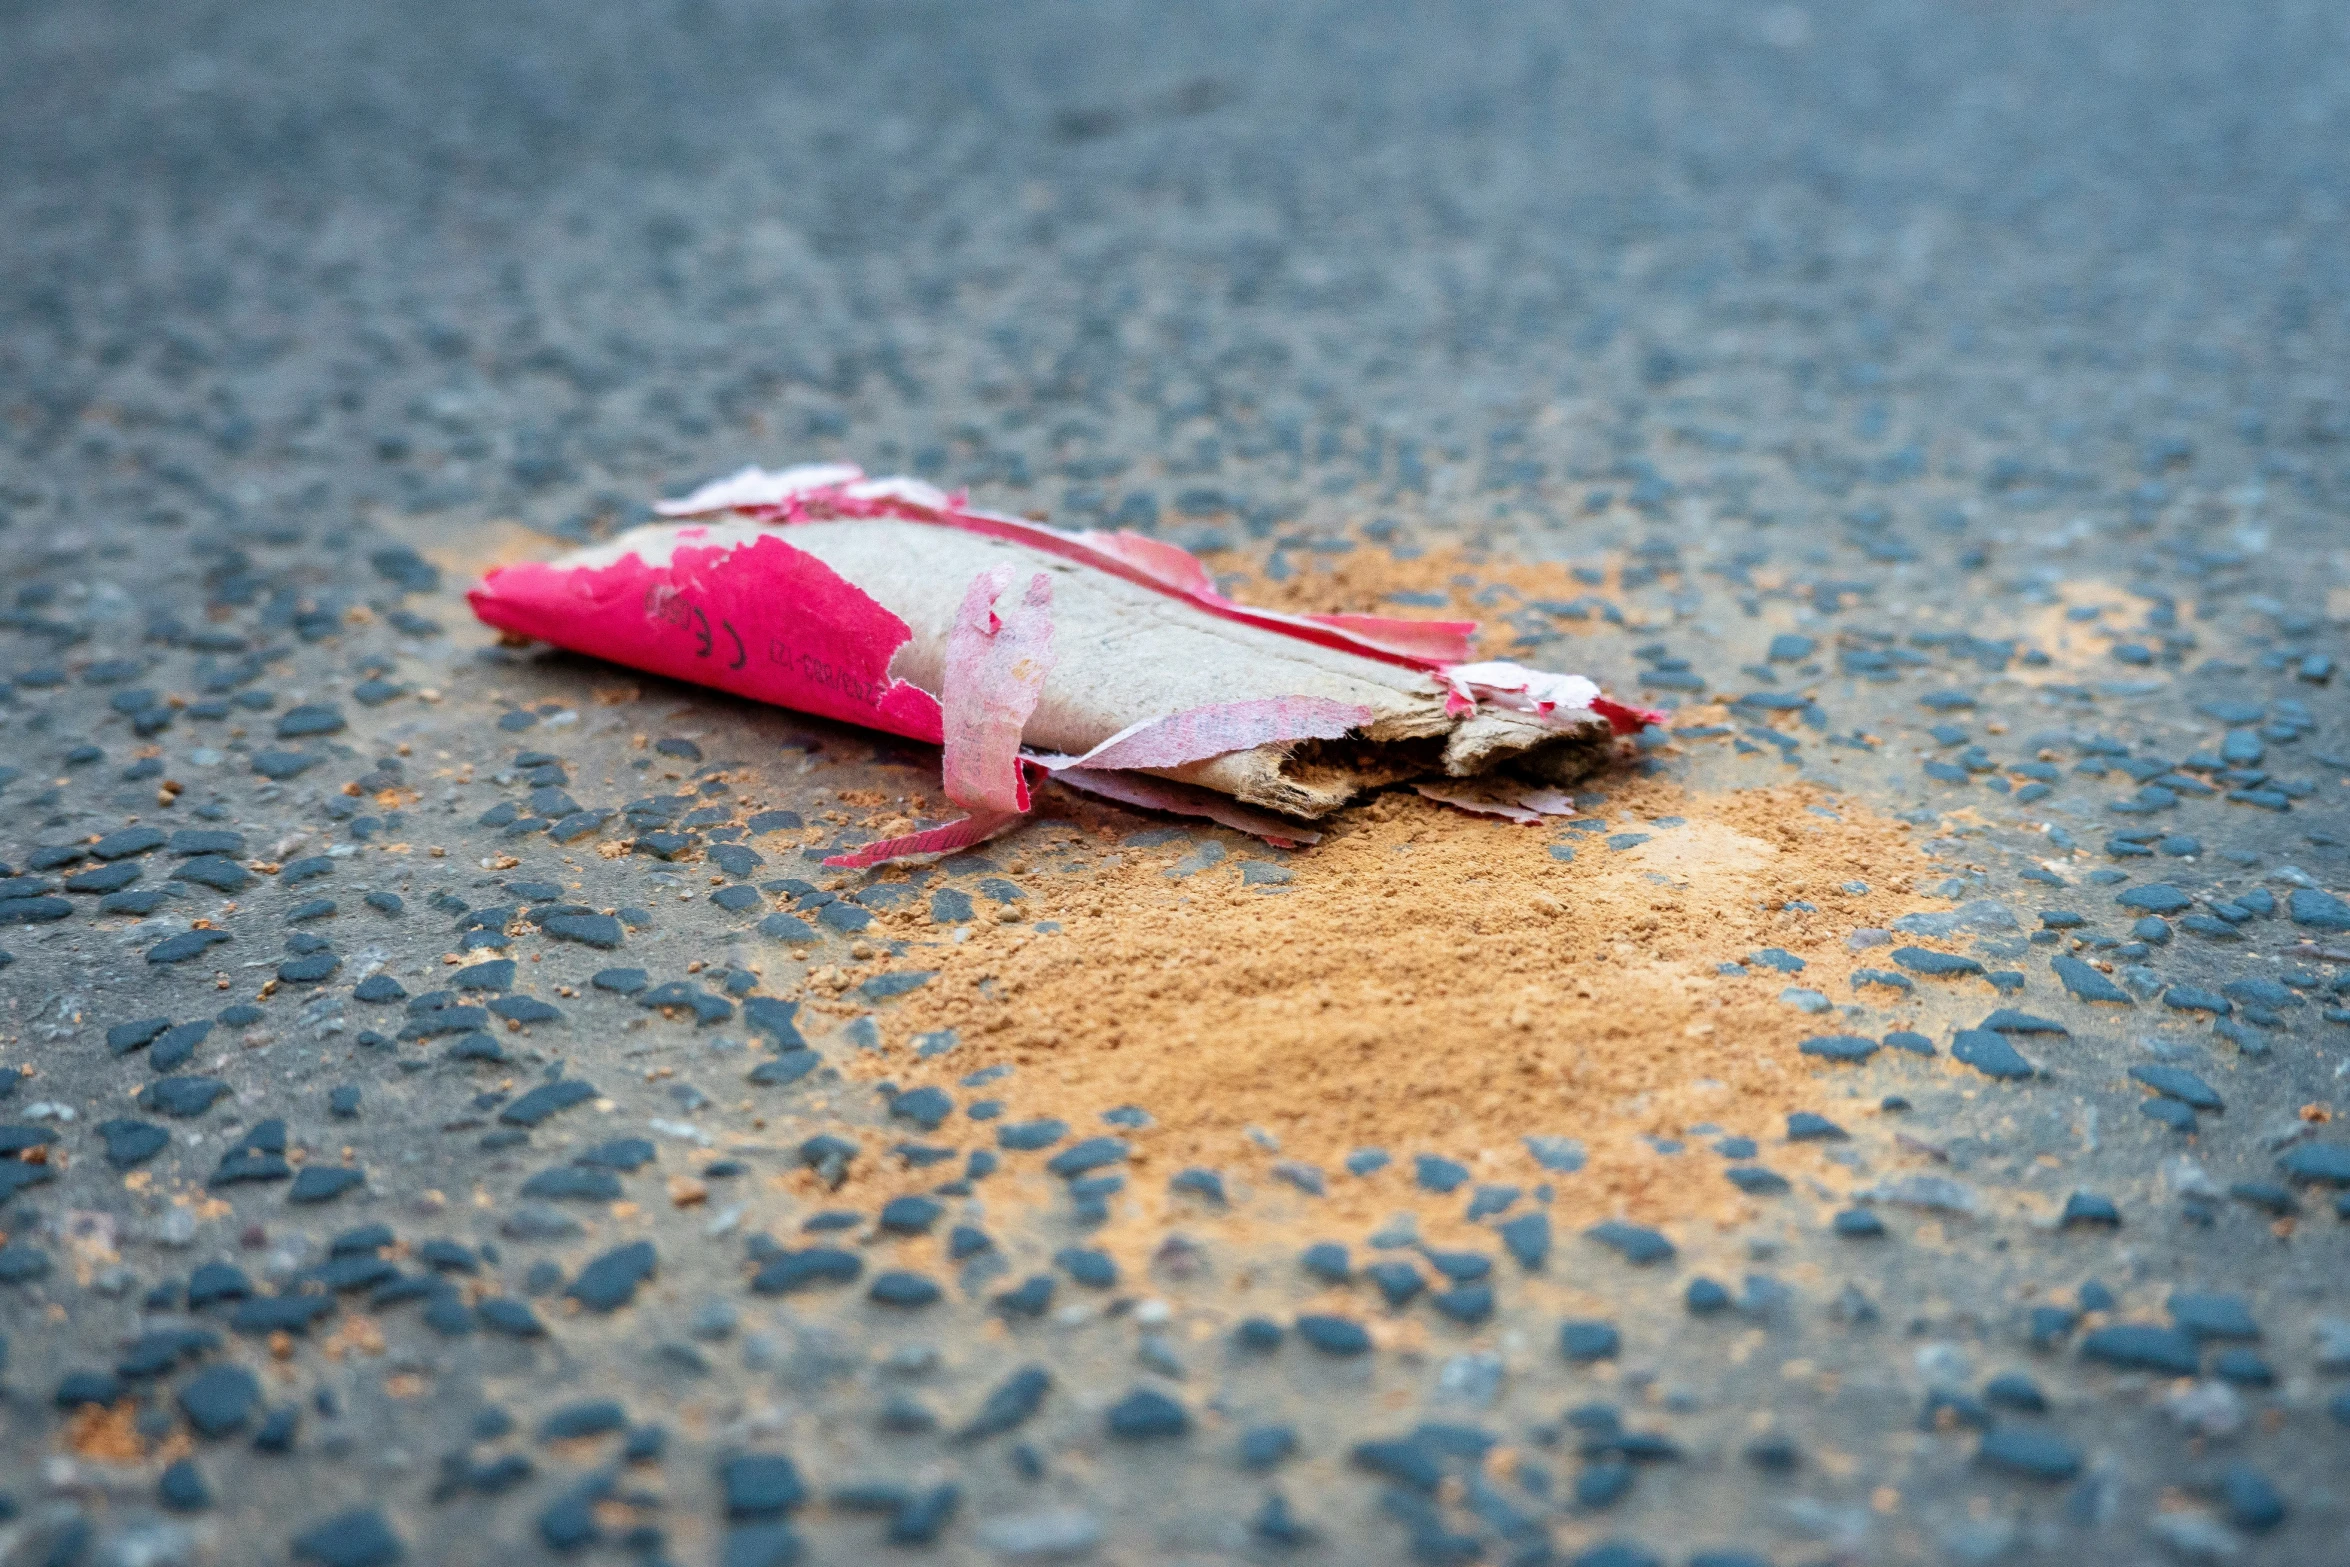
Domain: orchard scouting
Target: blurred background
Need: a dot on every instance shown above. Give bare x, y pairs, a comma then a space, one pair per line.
1921, 313
1156, 264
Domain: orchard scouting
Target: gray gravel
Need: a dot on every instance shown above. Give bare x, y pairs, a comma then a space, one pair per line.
1876, 341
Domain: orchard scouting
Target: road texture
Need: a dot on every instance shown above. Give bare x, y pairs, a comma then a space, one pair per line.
1953, 400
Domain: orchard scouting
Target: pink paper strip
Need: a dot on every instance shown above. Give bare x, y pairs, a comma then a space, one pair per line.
1429, 643
1164, 794
1221, 728
931, 840
995, 671
1550, 802
1170, 565
1464, 798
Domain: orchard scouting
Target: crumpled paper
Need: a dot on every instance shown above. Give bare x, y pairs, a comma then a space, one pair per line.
745, 609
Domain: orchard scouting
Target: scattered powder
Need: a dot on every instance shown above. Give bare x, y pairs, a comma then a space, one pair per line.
106, 1433
1422, 981
1366, 581
1426, 981
354, 1334
2077, 648
500, 541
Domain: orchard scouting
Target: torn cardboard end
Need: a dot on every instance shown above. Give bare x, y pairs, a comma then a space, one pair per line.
1104, 659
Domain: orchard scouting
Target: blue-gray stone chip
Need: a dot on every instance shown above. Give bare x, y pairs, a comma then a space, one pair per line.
359, 1538
547, 1099
1144, 1415
2086, 982
1924, 960
2035, 1455
1989, 1054
611, 1280
218, 1400
1632, 1242
182, 947
601, 931
1093, 1153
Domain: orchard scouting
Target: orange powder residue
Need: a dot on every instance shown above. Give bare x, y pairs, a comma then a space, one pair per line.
1425, 981
2075, 648
1364, 582
355, 1334
106, 1433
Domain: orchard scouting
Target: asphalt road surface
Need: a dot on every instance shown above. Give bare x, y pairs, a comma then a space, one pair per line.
1872, 348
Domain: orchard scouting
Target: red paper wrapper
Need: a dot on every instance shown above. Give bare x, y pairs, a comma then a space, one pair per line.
1145, 684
